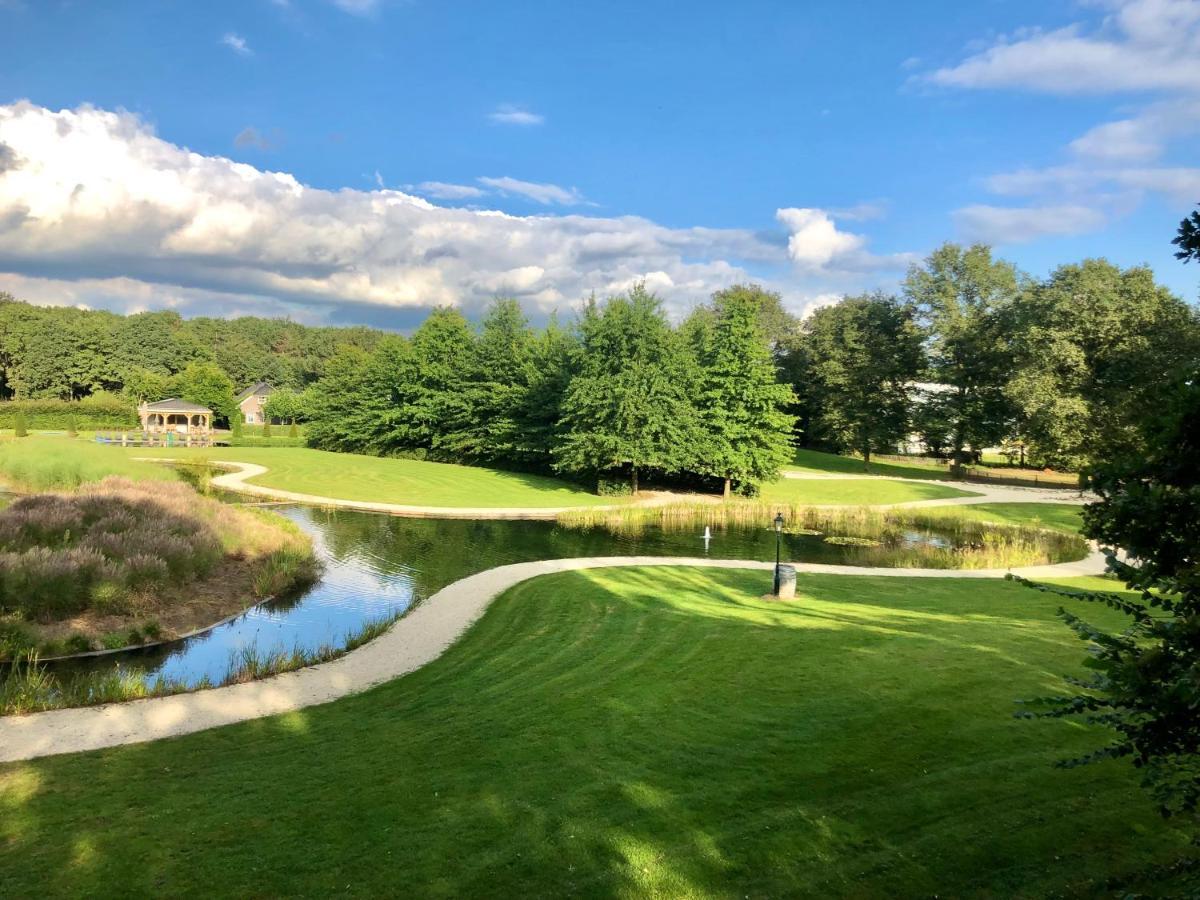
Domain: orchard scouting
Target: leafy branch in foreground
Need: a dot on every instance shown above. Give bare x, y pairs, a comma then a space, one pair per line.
1145, 681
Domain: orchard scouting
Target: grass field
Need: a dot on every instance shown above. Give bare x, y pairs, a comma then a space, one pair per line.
352, 477
856, 491
1057, 516
816, 461
637, 732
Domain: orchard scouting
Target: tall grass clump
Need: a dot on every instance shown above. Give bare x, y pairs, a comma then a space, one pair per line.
894, 538
47, 464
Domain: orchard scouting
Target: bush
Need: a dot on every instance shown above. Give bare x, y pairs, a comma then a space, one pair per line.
606, 487
19, 427
95, 413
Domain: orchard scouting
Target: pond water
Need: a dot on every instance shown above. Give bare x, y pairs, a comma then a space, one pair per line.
377, 565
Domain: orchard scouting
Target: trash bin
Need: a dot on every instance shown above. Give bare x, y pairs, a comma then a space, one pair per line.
787, 582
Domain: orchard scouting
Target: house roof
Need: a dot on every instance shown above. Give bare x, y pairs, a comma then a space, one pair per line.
258, 388
174, 404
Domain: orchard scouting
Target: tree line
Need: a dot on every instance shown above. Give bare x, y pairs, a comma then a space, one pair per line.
969, 353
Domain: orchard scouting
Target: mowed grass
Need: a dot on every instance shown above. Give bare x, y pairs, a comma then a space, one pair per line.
1063, 517
814, 461
57, 463
856, 491
349, 476
634, 732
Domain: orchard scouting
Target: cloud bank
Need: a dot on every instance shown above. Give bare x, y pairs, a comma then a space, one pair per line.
96, 208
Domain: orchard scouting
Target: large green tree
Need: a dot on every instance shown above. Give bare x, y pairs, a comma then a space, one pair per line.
742, 405
629, 407
1093, 345
1144, 682
864, 355
962, 296
207, 384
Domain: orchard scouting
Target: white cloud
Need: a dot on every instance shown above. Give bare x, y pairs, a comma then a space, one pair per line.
508, 114
1176, 184
237, 44
1017, 225
95, 208
815, 241
1142, 45
441, 190
536, 191
1143, 136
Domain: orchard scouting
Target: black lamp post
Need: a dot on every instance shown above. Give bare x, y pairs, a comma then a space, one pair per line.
778, 538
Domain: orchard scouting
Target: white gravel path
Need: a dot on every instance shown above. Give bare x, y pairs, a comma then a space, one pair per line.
415, 640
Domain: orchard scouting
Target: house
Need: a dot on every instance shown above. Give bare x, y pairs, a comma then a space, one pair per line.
251, 402
175, 416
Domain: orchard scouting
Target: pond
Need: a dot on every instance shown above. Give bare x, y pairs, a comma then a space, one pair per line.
376, 566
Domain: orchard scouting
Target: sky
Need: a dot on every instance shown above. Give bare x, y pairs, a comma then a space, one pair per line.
362, 161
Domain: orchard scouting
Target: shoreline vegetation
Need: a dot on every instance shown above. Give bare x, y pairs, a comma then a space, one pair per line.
120, 563
30, 686
881, 536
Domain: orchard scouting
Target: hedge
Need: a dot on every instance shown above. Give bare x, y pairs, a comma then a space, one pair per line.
95, 413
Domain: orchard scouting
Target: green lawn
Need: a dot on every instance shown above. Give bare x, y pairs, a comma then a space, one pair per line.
638, 732
352, 477
1057, 516
816, 461
856, 491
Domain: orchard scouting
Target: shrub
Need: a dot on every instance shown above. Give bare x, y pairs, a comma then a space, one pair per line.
266, 429
98, 412
607, 487
19, 427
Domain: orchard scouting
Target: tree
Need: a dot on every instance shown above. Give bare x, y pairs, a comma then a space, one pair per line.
1188, 238
441, 357
205, 383
548, 370
495, 381
865, 354
741, 404
1093, 343
1143, 684
629, 405
360, 406
284, 404
961, 296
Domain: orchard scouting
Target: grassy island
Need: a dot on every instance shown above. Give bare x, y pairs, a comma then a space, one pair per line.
118, 563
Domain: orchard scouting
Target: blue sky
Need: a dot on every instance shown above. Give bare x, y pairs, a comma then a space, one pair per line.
818, 147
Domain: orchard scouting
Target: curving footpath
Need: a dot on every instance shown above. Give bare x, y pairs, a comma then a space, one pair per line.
415, 640
237, 480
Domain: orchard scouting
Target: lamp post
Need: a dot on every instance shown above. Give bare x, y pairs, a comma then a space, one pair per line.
778, 538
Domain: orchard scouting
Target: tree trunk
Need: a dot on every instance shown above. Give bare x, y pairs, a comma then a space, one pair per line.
727, 490
633, 480
867, 458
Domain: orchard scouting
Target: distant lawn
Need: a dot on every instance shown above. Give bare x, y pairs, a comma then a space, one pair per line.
816, 461
1057, 516
856, 491
349, 476
628, 733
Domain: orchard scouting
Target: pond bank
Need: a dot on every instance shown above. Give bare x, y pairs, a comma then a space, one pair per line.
417, 639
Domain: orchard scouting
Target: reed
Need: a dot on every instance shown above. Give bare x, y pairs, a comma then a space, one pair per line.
31, 686
878, 537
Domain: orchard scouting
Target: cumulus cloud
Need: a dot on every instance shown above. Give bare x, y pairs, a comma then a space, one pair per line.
101, 205
1141, 45
532, 190
1016, 225
508, 114
815, 241
237, 44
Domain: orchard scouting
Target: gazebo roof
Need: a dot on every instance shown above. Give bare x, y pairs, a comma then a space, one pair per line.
173, 405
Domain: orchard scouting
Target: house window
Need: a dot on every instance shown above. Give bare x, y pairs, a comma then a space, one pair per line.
249, 418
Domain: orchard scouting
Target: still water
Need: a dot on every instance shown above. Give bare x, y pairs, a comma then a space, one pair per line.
378, 565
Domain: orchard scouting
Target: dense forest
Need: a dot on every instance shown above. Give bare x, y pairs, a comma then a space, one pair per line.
970, 353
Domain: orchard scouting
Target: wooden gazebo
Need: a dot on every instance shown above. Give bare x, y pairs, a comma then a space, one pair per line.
175, 416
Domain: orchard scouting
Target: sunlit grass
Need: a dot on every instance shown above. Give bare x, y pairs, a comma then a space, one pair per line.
625, 733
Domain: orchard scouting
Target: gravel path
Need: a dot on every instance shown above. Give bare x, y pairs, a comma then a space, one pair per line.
417, 639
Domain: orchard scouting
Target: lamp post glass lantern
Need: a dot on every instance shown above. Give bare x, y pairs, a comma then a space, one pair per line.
778, 538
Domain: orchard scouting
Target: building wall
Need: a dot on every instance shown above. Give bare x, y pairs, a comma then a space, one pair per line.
252, 409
